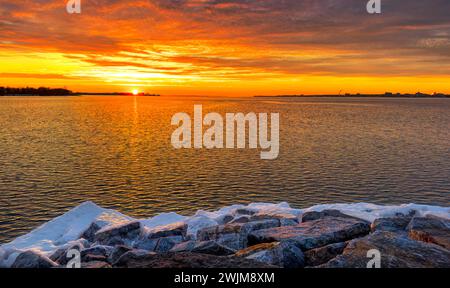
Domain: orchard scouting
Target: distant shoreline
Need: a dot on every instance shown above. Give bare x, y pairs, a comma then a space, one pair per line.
386, 95
81, 94
45, 91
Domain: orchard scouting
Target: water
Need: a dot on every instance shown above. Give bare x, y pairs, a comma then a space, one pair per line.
58, 152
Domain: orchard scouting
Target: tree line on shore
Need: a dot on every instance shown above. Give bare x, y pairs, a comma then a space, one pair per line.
28, 91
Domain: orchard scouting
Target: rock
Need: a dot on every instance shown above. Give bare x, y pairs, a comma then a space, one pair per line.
93, 258
166, 243
430, 229
204, 247
322, 255
281, 254
240, 220
313, 234
314, 215
393, 224
89, 234
162, 239
100, 250
95, 265
184, 246
285, 219
60, 255
131, 256
246, 211
177, 229
397, 251
30, 259
234, 236
227, 218
163, 244
119, 235
117, 253
187, 260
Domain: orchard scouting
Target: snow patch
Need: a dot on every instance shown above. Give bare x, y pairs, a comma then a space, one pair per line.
66, 230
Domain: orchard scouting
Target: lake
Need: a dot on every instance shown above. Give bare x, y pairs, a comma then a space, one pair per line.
57, 152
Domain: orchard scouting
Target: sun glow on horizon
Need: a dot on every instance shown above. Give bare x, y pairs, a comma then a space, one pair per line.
135, 92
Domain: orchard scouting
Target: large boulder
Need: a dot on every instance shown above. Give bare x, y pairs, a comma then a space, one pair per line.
430, 229
177, 229
396, 251
163, 244
132, 255
186, 260
95, 265
313, 234
393, 224
89, 233
162, 239
100, 250
285, 219
281, 254
119, 235
31, 259
61, 255
117, 253
322, 255
203, 247
234, 236
315, 215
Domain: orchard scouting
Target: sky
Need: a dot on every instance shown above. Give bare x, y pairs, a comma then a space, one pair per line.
227, 47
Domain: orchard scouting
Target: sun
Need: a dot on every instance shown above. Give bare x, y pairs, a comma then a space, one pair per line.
135, 92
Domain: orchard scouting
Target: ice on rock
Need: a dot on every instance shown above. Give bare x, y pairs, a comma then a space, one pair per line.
371, 212
60, 231
67, 229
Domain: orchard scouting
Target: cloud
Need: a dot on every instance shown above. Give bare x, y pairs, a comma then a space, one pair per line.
209, 38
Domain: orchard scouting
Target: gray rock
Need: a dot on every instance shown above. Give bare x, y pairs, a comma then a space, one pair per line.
60, 255
93, 258
186, 260
203, 247
282, 254
30, 259
178, 229
393, 224
164, 244
285, 219
240, 219
131, 256
100, 250
234, 236
313, 234
322, 255
246, 211
430, 229
119, 235
397, 251
313, 215
95, 265
89, 234
117, 253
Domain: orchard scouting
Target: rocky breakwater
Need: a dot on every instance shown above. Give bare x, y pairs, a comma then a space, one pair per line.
250, 237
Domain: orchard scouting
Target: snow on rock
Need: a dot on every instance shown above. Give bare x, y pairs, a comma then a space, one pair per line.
371, 212
66, 230
59, 232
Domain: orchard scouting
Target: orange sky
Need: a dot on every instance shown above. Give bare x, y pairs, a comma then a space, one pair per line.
233, 47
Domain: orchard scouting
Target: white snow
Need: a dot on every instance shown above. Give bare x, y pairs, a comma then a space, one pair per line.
371, 212
67, 229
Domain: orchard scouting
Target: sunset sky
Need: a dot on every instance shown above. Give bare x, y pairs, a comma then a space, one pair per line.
227, 47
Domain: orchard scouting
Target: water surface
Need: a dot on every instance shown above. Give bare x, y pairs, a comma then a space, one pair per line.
56, 152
